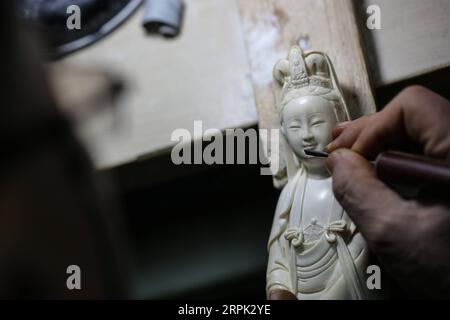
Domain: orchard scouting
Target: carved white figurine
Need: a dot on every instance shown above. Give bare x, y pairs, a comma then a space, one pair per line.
315, 251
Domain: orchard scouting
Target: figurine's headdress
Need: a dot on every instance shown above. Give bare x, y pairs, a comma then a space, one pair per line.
300, 72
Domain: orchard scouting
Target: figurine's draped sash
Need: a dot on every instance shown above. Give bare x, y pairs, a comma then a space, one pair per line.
282, 215
283, 209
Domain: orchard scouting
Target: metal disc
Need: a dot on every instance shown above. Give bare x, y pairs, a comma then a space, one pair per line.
98, 18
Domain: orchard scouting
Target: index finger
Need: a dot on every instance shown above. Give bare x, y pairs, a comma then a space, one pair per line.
415, 115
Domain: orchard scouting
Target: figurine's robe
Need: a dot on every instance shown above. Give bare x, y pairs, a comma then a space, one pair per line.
332, 267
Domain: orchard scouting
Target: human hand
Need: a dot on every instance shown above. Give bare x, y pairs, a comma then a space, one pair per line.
410, 237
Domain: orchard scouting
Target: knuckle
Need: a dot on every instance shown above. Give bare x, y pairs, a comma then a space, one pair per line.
414, 90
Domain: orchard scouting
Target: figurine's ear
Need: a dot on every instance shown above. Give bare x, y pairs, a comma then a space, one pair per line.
283, 132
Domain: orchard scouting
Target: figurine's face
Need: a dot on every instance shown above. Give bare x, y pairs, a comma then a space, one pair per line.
307, 123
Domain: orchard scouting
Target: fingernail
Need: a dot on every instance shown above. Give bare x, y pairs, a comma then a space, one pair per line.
328, 147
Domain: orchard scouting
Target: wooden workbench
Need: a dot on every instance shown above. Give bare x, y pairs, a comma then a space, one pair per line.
219, 69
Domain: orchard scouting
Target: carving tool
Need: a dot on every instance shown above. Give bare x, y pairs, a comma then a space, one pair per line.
401, 168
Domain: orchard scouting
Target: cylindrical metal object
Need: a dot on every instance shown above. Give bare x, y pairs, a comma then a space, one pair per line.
163, 16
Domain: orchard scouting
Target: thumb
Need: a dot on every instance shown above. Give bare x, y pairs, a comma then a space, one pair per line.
366, 199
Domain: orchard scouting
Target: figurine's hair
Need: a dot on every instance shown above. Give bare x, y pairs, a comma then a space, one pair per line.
329, 95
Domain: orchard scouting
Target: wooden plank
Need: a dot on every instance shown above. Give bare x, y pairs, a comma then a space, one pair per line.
272, 26
200, 75
414, 38
402, 49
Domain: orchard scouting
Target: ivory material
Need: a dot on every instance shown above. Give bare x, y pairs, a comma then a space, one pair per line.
315, 251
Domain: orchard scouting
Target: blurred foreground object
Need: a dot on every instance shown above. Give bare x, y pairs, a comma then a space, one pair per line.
98, 18
82, 92
54, 213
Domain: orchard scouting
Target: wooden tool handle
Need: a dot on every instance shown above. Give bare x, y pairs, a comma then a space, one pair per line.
413, 170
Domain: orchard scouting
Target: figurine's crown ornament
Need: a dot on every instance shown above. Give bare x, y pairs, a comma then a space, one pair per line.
300, 70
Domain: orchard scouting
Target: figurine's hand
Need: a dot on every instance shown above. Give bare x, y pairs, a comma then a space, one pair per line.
410, 237
279, 294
